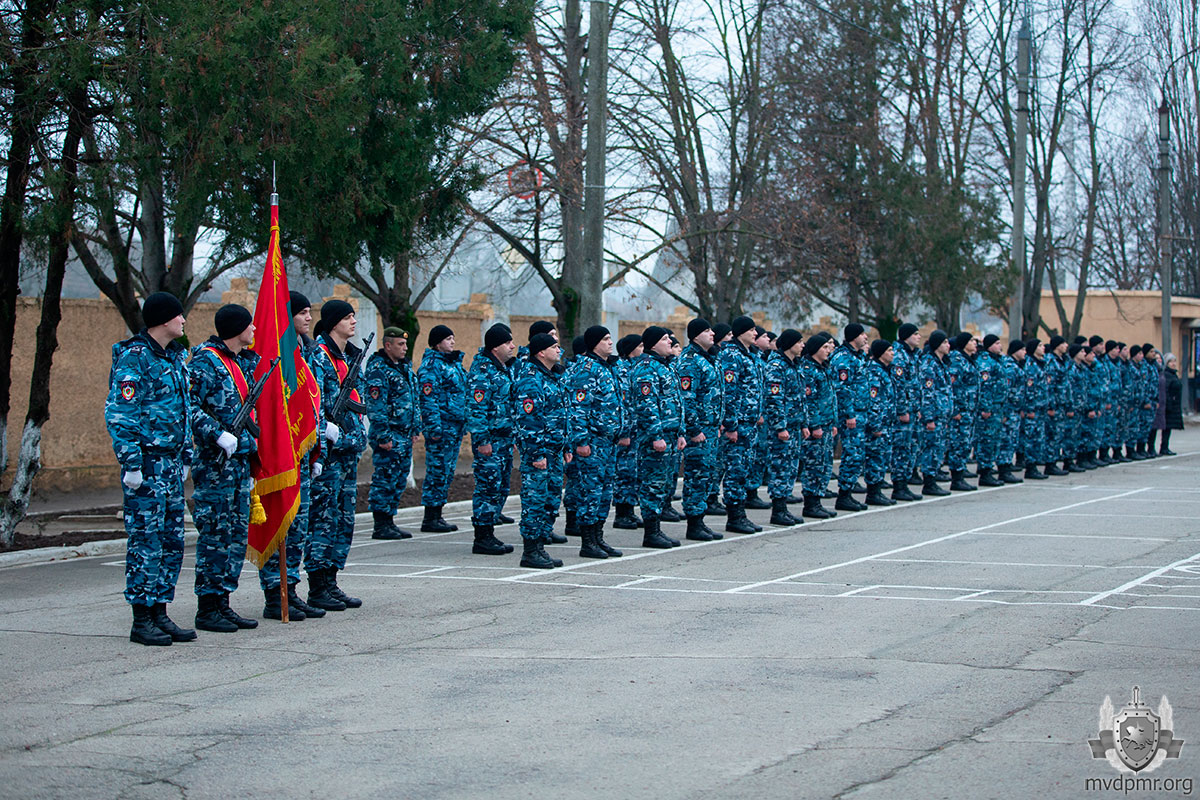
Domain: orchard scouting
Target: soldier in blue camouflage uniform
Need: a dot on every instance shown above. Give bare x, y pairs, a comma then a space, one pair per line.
598, 424
761, 351
1059, 411
309, 466
629, 348
1035, 402
1078, 379
443, 387
722, 334
658, 431
879, 420
148, 413
993, 409
490, 424
960, 428
570, 500
703, 405
818, 423
742, 420
1111, 439
1149, 397
849, 366
541, 412
937, 406
391, 400
221, 372
335, 491
1013, 370
783, 412
905, 441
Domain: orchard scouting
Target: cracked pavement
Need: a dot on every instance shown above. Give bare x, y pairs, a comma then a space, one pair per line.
813, 662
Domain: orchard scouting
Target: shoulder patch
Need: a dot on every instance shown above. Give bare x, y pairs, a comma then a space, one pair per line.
644, 387
685, 382
527, 405
128, 390
479, 395
899, 371
952, 377
929, 383
874, 391
776, 388
729, 376
983, 376
843, 374
374, 392
807, 391
426, 388
580, 396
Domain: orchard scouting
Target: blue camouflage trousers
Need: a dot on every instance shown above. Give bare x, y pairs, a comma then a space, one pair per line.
625, 487
1109, 425
1145, 424
878, 453
960, 433
222, 515
853, 453
656, 476
570, 499
154, 524
783, 462
904, 449
1033, 437
595, 478
268, 576
933, 447
389, 475
760, 466
816, 456
1089, 432
739, 458
492, 476
441, 457
540, 493
990, 433
1057, 432
331, 517
1010, 440
700, 475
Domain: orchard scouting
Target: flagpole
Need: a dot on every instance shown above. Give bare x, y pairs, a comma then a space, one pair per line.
281, 553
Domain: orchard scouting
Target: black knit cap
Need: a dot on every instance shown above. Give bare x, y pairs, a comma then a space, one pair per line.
787, 340
906, 330
594, 335
297, 302
990, 340
1080, 340
1031, 345
1133, 351
334, 312
1147, 347
741, 325
159, 308
497, 335
541, 326
651, 335
852, 332
1015, 345
759, 330
960, 340
696, 327
231, 320
721, 330
627, 344
577, 345
1055, 341
815, 342
438, 334
1074, 349
879, 347
772, 336
1111, 345
936, 338
539, 342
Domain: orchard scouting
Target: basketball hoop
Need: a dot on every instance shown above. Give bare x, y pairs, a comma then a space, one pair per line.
524, 180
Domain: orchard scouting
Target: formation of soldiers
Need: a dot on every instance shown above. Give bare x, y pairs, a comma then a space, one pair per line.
734, 409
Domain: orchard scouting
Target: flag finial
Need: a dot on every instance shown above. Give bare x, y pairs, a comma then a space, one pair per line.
274, 196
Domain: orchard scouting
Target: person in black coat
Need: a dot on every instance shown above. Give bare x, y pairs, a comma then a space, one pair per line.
1171, 391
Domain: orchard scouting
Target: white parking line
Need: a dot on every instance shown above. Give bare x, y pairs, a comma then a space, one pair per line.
1149, 576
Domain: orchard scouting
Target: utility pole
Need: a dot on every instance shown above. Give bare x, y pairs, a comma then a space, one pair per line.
1016, 310
591, 305
1164, 217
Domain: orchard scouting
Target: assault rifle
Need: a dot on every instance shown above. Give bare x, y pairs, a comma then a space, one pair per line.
344, 401
244, 421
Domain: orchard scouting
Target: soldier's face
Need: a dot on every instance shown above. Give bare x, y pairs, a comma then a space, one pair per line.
505, 351
943, 348
886, 358
914, 341
346, 327
1062, 348
302, 322
246, 337
446, 345
637, 351
662, 347
175, 326
994, 349
1040, 352
822, 355
551, 355
1089, 357
395, 348
705, 339
970, 348
763, 342
860, 341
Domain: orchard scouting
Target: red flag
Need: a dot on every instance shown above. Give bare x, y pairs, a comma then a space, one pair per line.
286, 410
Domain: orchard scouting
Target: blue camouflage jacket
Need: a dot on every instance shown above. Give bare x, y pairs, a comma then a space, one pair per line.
1058, 384
489, 400
881, 397
1080, 381
657, 403
702, 388
353, 438
743, 387
850, 368
215, 398
904, 379
1014, 376
993, 384
820, 408
783, 401
443, 387
597, 408
148, 409
541, 411
391, 399
937, 399
1037, 385
964, 382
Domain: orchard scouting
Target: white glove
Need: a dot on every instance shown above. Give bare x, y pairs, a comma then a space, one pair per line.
317, 469
412, 482
332, 433
132, 479
186, 471
227, 442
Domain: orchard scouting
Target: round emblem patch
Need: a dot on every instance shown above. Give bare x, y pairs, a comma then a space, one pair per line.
685, 383
1029, 382
929, 383
899, 371
374, 392
729, 376
645, 388
427, 388
479, 395
874, 391
774, 388
983, 376
128, 389
580, 395
527, 405
843, 374
807, 391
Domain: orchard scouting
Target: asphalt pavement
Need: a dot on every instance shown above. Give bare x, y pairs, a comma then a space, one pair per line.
958, 647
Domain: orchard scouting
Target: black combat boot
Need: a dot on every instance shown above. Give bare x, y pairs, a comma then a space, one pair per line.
486, 544
385, 528
433, 522
669, 514
696, 531
715, 507
1032, 472
1070, 466
1008, 476
504, 519
603, 545
652, 536
545, 540
813, 508
792, 500
590, 547
273, 607
704, 527
209, 616
942, 475
858, 488
988, 478
319, 594
294, 602
336, 591
969, 473
625, 519
533, 556
875, 496
754, 502
915, 479
144, 631
931, 489
780, 514
1054, 470
901, 492
158, 613
958, 483
846, 501
237, 619
554, 538
736, 520
573, 528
